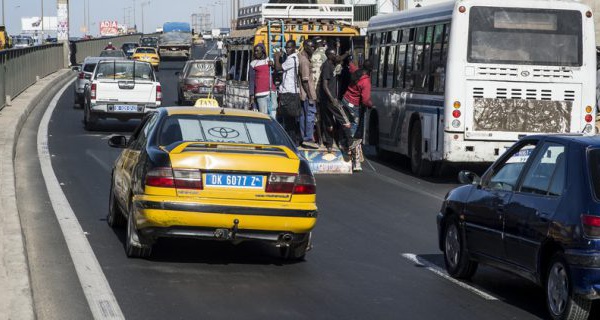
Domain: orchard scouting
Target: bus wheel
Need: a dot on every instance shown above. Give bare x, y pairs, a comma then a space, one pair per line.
418, 165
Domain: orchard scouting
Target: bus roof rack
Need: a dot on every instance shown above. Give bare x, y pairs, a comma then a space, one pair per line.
257, 15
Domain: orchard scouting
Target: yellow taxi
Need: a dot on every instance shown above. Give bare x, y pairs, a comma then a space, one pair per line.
147, 54
212, 173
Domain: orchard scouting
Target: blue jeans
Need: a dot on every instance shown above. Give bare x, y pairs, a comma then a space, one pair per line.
265, 107
307, 120
354, 114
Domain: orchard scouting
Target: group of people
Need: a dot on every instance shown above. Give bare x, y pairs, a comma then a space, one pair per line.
310, 97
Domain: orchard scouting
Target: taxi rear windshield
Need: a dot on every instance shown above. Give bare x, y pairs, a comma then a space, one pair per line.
525, 36
227, 129
145, 50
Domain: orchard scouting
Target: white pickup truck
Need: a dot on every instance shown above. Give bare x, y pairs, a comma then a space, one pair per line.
122, 90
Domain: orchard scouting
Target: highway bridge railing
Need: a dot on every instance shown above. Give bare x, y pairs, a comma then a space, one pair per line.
20, 68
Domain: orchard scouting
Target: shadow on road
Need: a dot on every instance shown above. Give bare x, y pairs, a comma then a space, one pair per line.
506, 287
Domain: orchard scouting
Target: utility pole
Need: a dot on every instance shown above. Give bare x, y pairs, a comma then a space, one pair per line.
134, 24
3, 13
42, 35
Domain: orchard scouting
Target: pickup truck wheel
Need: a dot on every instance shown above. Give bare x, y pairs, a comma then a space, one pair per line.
135, 247
89, 120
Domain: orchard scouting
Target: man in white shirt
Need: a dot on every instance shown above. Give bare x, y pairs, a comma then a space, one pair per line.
289, 92
220, 47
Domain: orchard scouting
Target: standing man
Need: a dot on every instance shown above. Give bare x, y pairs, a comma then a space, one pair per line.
355, 100
308, 96
220, 47
289, 98
262, 90
329, 84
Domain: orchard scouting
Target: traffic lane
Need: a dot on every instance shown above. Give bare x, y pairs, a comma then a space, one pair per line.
356, 269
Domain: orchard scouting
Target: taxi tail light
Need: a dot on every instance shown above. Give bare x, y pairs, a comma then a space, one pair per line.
305, 184
160, 177
281, 183
591, 225
158, 93
188, 179
93, 91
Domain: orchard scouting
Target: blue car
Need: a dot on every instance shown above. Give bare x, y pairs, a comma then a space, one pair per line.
536, 213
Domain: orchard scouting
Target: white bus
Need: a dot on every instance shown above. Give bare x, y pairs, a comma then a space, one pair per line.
459, 82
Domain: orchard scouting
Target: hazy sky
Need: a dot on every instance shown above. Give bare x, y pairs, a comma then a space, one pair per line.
155, 13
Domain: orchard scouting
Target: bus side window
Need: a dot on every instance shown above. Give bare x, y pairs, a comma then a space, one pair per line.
408, 79
382, 67
437, 69
444, 56
419, 73
244, 65
400, 65
391, 67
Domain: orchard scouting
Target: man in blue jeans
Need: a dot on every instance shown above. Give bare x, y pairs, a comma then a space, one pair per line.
308, 95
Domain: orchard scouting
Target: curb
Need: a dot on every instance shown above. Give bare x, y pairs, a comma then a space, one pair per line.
16, 299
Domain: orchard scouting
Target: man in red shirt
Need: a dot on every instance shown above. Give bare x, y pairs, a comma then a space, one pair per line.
262, 89
355, 100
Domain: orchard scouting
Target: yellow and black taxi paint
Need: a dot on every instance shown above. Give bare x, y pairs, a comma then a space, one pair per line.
152, 58
159, 207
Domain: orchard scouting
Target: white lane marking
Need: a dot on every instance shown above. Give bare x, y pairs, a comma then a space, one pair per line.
103, 164
98, 293
442, 273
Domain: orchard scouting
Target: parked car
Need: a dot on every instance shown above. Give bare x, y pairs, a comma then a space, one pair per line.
121, 89
86, 70
113, 54
129, 48
212, 173
536, 213
147, 54
197, 80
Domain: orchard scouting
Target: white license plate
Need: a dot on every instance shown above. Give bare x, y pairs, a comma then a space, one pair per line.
244, 181
125, 108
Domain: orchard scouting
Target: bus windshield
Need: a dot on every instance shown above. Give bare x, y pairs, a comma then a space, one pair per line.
525, 36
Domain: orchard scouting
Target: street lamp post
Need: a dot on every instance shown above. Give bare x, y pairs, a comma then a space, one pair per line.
3, 13
134, 24
144, 4
42, 35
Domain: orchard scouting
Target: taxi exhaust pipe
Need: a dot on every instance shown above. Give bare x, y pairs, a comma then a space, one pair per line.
285, 239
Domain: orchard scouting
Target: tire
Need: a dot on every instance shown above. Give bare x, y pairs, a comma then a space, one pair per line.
296, 251
89, 119
456, 257
561, 302
418, 165
115, 217
135, 245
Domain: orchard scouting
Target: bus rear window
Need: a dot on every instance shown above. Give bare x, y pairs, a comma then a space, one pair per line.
525, 36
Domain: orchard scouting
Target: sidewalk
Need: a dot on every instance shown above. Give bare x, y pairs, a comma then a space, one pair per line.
16, 301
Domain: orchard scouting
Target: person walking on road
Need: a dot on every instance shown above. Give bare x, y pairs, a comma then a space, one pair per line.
355, 100
289, 99
220, 47
262, 89
308, 96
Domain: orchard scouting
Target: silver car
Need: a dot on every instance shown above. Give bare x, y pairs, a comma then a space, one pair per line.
85, 74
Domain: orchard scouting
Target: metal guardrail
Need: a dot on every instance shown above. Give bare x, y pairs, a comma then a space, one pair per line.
92, 47
20, 68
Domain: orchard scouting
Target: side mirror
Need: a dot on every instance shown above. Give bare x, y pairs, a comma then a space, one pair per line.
468, 177
117, 141
76, 68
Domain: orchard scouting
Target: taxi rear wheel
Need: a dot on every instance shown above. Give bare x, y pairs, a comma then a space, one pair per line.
115, 217
135, 246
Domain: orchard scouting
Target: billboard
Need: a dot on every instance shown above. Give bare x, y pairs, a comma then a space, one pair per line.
109, 28
30, 24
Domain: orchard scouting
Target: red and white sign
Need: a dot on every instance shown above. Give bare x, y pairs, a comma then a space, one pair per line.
109, 28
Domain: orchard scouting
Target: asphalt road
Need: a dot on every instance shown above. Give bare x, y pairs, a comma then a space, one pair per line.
370, 224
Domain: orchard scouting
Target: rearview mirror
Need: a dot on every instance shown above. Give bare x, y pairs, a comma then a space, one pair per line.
117, 141
468, 177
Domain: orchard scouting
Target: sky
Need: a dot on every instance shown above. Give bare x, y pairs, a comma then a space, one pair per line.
156, 12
